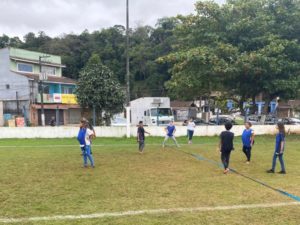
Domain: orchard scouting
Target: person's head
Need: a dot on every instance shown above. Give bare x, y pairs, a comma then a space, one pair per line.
281, 128
83, 123
248, 125
141, 124
191, 119
228, 125
171, 122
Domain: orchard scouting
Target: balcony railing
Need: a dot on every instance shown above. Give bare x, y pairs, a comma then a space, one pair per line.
58, 98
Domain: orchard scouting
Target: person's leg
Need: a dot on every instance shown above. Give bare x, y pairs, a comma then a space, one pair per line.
223, 159
84, 156
274, 161
228, 158
245, 151
89, 156
191, 136
175, 141
281, 163
165, 140
141, 145
249, 154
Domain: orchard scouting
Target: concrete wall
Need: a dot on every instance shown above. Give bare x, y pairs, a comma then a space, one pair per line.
16, 82
69, 132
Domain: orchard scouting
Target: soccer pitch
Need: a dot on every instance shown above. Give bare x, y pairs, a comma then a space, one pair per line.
42, 182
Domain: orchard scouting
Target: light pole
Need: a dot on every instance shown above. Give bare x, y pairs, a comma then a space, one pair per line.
42, 78
127, 55
127, 73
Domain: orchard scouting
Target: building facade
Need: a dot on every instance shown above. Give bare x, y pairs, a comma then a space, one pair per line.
20, 87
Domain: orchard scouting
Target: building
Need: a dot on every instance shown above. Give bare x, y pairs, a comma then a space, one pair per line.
20, 87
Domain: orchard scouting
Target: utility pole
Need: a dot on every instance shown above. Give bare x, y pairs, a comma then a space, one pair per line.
127, 55
18, 105
128, 130
42, 78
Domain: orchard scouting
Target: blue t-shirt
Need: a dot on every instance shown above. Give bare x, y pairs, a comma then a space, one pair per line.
246, 137
279, 138
170, 130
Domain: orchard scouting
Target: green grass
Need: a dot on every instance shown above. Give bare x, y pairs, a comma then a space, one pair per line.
43, 177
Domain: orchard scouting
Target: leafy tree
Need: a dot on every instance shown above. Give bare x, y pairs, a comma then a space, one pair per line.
98, 88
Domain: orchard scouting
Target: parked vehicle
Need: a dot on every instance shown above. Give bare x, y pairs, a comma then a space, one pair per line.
197, 121
118, 121
290, 121
151, 111
254, 119
222, 120
271, 120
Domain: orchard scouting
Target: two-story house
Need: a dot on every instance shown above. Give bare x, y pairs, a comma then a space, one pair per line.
20, 87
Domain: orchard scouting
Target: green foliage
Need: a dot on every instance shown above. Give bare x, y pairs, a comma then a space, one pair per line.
98, 88
237, 48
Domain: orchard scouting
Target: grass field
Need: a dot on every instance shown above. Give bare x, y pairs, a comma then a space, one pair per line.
44, 178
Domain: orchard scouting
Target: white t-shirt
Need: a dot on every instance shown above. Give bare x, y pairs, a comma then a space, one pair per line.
88, 133
191, 126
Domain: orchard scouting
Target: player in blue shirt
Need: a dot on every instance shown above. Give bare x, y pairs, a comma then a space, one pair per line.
170, 131
248, 141
279, 149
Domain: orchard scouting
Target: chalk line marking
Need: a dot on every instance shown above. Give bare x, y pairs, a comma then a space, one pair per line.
145, 212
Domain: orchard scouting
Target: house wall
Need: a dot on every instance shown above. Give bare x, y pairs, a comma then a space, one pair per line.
30, 55
16, 82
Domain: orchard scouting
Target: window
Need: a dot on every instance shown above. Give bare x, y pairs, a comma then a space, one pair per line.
25, 68
67, 90
48, 70
46, 89
161, 112
7, 86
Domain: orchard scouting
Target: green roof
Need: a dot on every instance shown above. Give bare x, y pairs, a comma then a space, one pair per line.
31, 55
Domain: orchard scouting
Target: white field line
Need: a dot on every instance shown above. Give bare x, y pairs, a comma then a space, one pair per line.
145, 212
95, 145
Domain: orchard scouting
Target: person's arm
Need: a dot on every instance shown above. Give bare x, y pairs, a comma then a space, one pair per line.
174, 131
220, 143
138, 136
147, 132
282, 145
252, 138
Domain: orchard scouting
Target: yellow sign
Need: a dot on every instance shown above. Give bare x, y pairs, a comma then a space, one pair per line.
68, 99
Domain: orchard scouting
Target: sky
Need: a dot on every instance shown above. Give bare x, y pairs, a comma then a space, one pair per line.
56, 17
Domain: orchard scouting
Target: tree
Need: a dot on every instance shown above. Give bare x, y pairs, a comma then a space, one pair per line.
98, 88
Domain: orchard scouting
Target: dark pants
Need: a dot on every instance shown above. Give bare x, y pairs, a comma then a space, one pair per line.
225, 157
280, 156
141, 145
247, 151
190, 134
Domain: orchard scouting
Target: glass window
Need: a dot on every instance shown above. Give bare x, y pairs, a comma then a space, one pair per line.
46, 89
48, 70
67, 90
25, 67
161, 112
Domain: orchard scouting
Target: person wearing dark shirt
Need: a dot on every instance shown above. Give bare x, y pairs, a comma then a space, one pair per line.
279, 149
141, 136
226, 146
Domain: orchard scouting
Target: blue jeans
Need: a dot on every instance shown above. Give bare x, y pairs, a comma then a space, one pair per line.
190, 134
280, 156
86, 153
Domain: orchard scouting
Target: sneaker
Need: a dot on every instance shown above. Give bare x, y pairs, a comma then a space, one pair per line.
270, 171
247, 162
282, 172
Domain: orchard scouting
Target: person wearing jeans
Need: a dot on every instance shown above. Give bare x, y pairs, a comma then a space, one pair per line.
190, 130
86, 152
279, 149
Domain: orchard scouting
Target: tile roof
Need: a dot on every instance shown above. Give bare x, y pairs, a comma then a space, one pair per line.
54, 79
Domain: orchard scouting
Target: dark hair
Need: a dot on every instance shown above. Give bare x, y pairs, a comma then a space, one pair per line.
249, 123
228, 125
140, 122
281, 128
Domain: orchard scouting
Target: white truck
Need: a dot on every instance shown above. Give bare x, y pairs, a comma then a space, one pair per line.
152, 111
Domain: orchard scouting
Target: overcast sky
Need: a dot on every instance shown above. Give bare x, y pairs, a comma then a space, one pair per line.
55, 17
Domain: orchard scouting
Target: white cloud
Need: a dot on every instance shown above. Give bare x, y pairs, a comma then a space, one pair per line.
55, 17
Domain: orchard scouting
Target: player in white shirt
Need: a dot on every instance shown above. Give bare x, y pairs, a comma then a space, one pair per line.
190, 129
